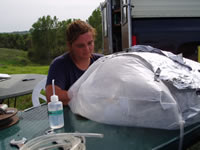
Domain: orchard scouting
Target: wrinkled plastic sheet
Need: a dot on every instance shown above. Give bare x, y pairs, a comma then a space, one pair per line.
181, 72
143, 87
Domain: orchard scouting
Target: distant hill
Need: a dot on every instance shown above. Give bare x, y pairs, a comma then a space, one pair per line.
13, 57
16, 32
20, 32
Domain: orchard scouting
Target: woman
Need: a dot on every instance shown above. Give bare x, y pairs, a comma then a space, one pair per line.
67, 68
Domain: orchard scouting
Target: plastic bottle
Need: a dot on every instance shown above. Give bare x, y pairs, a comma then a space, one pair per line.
55, 111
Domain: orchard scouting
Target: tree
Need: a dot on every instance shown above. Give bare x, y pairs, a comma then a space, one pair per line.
95, 21
48, 39
61, 38
43, 34
15, 40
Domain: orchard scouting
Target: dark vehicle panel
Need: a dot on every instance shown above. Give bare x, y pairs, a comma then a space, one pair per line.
178, 35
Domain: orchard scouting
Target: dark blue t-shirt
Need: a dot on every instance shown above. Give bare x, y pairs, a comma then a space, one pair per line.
65, 72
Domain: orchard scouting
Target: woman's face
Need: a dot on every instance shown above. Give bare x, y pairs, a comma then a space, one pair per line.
83, 46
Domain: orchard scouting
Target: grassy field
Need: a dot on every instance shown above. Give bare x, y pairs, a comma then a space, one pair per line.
14, 61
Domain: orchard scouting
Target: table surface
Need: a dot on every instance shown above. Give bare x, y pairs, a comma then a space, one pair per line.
34, 123
18, 85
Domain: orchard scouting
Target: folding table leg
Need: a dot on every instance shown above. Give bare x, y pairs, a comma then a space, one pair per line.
1, 101
8, 102
15, 102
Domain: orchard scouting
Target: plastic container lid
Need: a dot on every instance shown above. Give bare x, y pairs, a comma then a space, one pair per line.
54, 97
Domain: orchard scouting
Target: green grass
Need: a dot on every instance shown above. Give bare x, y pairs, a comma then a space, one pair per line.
13, 57
22, 102
13, 61
11, 69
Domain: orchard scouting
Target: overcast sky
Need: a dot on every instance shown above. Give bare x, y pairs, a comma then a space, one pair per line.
19, 15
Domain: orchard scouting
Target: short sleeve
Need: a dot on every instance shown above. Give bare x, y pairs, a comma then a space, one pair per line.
58, 73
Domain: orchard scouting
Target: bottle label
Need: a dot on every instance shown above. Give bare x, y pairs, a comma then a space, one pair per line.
58, 112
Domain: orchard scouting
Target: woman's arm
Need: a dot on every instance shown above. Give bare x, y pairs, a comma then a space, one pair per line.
62, 94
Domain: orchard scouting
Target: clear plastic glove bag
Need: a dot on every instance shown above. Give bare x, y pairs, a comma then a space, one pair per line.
121, 90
